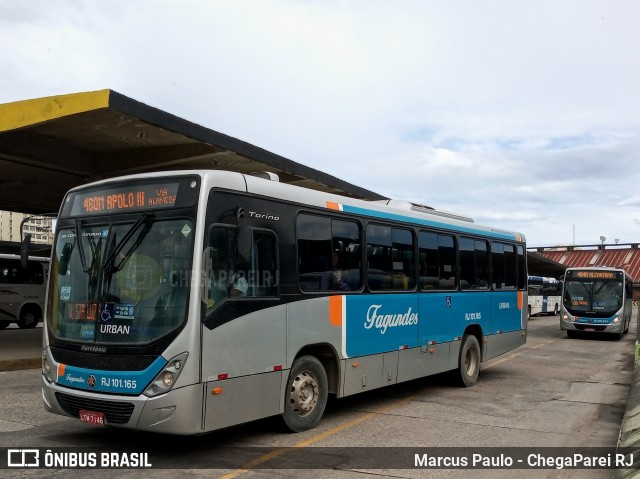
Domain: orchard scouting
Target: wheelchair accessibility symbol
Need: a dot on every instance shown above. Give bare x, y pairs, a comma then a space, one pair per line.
107, 312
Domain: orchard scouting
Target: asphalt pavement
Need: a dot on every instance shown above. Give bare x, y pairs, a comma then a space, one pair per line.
22, 349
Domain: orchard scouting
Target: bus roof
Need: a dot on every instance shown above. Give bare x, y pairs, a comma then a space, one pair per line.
282, 191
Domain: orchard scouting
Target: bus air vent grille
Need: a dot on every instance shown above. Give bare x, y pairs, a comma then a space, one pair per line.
582, 327
115, 412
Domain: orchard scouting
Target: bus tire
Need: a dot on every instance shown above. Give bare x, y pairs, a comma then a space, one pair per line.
555, 310
4, 323
469, 362
528, 313
306, 394
29, 317
572, 334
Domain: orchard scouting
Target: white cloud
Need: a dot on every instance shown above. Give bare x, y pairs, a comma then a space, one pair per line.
630, 201
520, 114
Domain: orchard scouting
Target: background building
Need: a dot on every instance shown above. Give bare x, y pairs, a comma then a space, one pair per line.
38, 227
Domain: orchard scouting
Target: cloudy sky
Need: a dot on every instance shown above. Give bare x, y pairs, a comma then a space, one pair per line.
523, 115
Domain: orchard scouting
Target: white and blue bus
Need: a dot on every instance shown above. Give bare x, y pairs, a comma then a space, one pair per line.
22, 290
544, 295
186, 302
596, 300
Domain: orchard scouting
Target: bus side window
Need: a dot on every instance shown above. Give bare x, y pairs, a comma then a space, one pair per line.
328, 253
474, 264
263, 271
390, 258
229, 276
438, 253
314, 252
503, 266
220, 262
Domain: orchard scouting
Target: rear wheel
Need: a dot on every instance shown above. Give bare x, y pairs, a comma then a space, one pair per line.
306, 394
29, 317
469, 362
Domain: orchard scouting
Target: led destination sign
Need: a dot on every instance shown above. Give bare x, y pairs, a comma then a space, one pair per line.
125, 199
595, 274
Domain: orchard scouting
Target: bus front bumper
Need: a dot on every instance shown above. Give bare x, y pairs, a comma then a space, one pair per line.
568, 323
175, 412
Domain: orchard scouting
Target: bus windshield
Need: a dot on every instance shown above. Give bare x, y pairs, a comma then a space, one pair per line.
124, 283
598, 297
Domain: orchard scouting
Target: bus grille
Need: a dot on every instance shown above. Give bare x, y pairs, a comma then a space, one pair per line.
582, 327
115, 412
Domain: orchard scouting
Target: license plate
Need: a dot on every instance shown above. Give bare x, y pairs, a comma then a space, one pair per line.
92, 417
591, 330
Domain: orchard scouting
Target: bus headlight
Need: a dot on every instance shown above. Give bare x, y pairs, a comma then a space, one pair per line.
567, 317
616, 320
166, 378
46, 368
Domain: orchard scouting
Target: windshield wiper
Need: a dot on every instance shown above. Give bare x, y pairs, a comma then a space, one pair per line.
116, 248
78, 232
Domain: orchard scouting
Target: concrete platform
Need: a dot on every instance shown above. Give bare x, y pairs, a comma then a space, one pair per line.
630, 428
20, 348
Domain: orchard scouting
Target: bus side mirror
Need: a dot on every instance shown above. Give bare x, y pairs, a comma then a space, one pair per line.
245, 243
25, 246
64, 259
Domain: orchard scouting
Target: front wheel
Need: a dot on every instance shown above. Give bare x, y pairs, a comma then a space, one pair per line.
4, 323
306, 394
469, 362
29, 317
